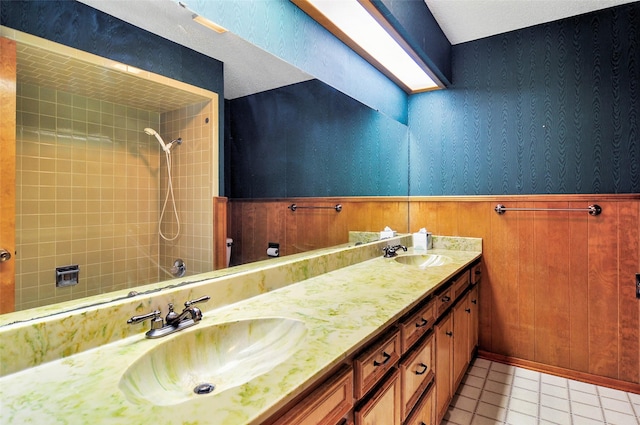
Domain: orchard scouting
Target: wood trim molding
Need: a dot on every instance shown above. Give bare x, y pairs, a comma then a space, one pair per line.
220, 232
562, 372
8, 77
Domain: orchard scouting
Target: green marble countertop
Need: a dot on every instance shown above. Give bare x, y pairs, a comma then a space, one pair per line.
341, 310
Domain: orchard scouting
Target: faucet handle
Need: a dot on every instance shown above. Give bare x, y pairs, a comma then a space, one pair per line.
188, 304
156, 320
171, 315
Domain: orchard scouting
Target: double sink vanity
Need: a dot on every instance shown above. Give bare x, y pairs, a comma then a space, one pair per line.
339, 335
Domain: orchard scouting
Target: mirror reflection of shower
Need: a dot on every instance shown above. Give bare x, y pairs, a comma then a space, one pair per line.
166, 147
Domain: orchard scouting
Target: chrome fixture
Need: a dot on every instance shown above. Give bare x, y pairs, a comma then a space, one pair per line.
179, 268
390, 250
591, 209
173, 322
293, 207
4, 255
167, 153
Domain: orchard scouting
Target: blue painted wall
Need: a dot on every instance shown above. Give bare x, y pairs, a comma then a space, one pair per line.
549, 109
309, 139
282, 29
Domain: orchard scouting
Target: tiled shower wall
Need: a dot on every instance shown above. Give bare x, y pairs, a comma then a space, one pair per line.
191, 172
88, 194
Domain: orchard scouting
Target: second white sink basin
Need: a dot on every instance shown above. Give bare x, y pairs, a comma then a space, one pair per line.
210, 360
424, 261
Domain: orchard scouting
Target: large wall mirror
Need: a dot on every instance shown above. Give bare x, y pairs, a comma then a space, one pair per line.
92, 184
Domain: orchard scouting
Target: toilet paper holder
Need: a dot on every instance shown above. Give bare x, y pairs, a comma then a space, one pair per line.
273, 250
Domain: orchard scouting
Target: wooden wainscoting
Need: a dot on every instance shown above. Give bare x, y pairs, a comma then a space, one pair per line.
255, 223
558, 287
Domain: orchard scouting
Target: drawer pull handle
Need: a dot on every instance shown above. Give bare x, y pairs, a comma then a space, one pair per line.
386, 356
449, 333
474, 301
423, 323
468, 310
424, 370
446, 299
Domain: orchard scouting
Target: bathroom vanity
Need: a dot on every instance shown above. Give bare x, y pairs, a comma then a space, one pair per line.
338, 336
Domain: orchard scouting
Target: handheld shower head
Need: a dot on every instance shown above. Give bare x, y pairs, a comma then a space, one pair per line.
152, 132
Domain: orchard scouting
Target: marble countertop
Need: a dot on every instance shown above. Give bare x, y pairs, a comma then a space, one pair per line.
341, 309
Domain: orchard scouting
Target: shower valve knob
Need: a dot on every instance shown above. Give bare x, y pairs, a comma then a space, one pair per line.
4, 255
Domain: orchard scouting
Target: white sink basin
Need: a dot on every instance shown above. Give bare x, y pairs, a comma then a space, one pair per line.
423, 261
221, 356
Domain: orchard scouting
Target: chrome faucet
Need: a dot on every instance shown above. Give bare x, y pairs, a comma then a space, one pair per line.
173, 322
390, 250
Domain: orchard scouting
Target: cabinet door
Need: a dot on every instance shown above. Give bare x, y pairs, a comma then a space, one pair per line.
424, 412
461, 318
473, 322
444, 354
416, 372
326, 405
383, 408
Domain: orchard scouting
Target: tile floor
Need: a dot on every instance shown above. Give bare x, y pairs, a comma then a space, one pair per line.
494, 393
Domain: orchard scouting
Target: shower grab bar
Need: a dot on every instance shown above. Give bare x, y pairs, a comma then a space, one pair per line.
337, 207
591, 209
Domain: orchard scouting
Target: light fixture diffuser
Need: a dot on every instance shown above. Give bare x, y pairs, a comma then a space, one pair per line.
354, 24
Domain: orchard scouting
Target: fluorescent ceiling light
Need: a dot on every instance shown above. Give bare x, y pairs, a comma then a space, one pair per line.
209, 24
367, 37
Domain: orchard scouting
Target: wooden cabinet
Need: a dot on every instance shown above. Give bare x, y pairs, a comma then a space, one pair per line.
417, 324
416, 372
444, 358
461, 352
474, 321
383, 407
326, 405
460, 284
424, 412
375, 362
443, 300
409, 374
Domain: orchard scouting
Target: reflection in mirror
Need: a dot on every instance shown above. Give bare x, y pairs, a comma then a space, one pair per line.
94, 189
92, 182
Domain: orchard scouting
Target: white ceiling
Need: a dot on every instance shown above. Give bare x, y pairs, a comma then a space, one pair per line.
467, 20
249, 69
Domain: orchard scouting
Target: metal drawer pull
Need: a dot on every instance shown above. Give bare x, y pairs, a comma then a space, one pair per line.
423, 370
449, 333
423, 323
446, 299
474, 301
386, 356
468, 310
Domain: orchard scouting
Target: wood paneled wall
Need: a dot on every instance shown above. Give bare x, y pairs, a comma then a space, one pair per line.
558, 289
255, 223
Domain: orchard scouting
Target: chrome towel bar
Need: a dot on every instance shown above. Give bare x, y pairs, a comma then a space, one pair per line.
591, 209
337, 207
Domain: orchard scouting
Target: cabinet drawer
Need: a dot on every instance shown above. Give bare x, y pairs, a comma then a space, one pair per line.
372, 364
443, 300
416, 371
325, 405
383, 407
416, 325
460, 284
424, 413
476, 273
